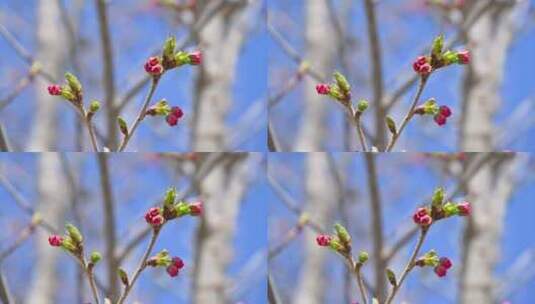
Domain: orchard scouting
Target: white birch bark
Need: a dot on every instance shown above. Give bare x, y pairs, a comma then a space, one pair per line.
320, 198
319, 35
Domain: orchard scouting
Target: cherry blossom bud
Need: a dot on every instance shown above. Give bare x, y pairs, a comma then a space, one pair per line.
440, 119
172, 270
445, 262
323, 240
464, 57
441, 271
195, 58
323, 89
55, 240
464, 208
54, 90
196, 209
445, 111
177, 261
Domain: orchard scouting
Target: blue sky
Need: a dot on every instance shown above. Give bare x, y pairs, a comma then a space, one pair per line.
403, 32
405, 180
138, 181
136, 31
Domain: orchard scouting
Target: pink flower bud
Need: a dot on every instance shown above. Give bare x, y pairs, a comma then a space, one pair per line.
441, 271
153, 61
177, 111
172, 120
464, 57
323, 240
55, 240
54, 90
195, 58
445, 262
178, 262
445, 111
426, 220
421, 60
157, 221
425, 69
464, 208
172, 270
196, 209
323, 89
440, 119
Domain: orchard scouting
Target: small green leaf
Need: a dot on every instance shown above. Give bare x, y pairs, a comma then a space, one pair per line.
123, 276
123, 127
391, 124
391, 277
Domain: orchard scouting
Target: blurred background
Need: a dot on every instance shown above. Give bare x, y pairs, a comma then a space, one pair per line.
375, 196
223, 99
106, 196
374, 44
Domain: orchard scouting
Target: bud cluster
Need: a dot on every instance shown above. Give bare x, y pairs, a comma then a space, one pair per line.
439, 58
163, 259
171, 59
171, 209
71, 90
440, 265
339, 90
439, 209
162, 108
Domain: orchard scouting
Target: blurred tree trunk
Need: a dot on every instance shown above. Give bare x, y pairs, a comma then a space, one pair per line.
222, 191
320, 195
319, 35
51, 205
489, 40
51, 53
221, 40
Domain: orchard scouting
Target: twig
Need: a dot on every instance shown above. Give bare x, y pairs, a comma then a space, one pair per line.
409, 267
109, 224
141, 115
360, 283
5, 296
107, 72
360, 132
23, 236
376, 71
141, 266
4, 142
409, 115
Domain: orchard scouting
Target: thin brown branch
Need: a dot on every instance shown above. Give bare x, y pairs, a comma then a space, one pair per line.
109, 225
107, 72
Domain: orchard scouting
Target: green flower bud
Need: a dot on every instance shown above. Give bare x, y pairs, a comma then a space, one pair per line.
450, 57
74, 233
362, 106
170, 197
123, 127
438, 197
74, 83
342, 233
67, 93
431, 258
337, 94
95, 257
363, 257
182, 209
123, 276
162, 258
169, 48
68, 245
438, 45
391, 124
341, 81
336, 245
161, 108
181, 58
431, 107
94, 106
450, 209
391, 277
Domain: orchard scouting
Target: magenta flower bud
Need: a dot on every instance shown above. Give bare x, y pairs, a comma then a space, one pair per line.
54, 90
172, 120
441, 271
172, 270
196, 209
178, 263
153, 61
464, 208
421, 60
425, 69
157, 221
195, 58
440, 119
55, 240
323, 240
464, 57
445, 111
323, 89
426, 220
445, 262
